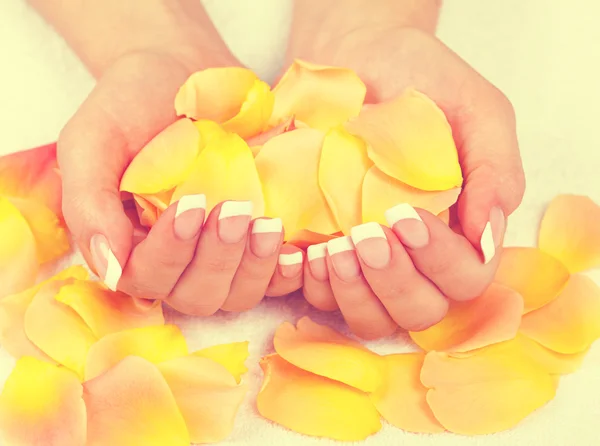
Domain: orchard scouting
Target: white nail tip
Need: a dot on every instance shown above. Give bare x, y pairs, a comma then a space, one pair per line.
316, 251
190, 202
366, 231
113, 271
340, 244
267, 225
235, 209
488, 247
399, 212
290, 259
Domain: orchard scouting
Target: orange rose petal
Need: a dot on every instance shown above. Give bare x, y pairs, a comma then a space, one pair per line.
401, 398
131, 404
49, 232
314, 405
486, 392
321, 350
303, 238
320, 96
216, 94
571, 322
536, 276
342, 169
147, 212
165, 162
41, 404
410, 140
254, 113
288, 169
445, 216
155, 344
232, 356
18, 254
491, 318
381, 192
570, 232
105, 311
207, 396
257, 141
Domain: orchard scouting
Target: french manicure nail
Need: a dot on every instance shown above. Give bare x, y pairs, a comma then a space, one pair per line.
266, 236
371, 244
316, 261
341, 251
189, 216
492, 235
234, 219
107, 266
290, 265
408, 225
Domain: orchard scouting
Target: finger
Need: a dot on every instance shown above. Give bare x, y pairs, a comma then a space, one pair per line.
410, 298
155, 265
258, 265
289, 272
317, 289
446, 258
365, 314
204, 286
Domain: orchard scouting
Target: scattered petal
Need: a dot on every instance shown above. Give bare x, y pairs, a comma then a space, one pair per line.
131, 404
570, 232
303, 238
320, 96
147, 212
231, 356
410, 140
321, 350
491, 318
260, 139
155, 344
41, 404
536, 276
314, 405
254, 113
571, 322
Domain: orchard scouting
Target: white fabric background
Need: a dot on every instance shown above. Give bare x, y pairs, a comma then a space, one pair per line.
542, 53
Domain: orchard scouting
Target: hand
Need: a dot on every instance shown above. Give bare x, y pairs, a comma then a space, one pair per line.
427, 262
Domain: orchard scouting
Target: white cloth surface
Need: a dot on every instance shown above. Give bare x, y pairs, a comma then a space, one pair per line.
542, 53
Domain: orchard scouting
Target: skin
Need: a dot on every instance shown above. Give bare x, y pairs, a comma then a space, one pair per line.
154, 45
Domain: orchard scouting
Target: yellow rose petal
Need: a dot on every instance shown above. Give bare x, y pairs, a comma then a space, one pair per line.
231, 356
254, 113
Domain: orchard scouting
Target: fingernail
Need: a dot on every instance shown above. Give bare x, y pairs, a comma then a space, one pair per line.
266, 236
344, 260
492, 235
407, 224
316, 261
371, 244
189, 216
290, 265
234, 219
106, 264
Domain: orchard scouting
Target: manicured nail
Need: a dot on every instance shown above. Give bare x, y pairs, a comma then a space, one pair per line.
492, 235
407, 225
266, 236
316, 261
189, 216
290, 265
106, 264
371, 244
234, 219
344, 260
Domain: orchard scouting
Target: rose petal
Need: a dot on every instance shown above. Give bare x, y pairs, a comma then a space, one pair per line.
486, 392
165, 162
570, 232
288, 168
410, 140
342, 169
155, 344
257, 141
381, 192
401, 398
18, 255
207, 396
147, 212
536, 276
320, 96
105, 311
254, 113
303, 238
216, 94
49, 232
493, 317
445, 216
131, 404
231, 356
313, 405
321, 350
41, 404
571, 322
